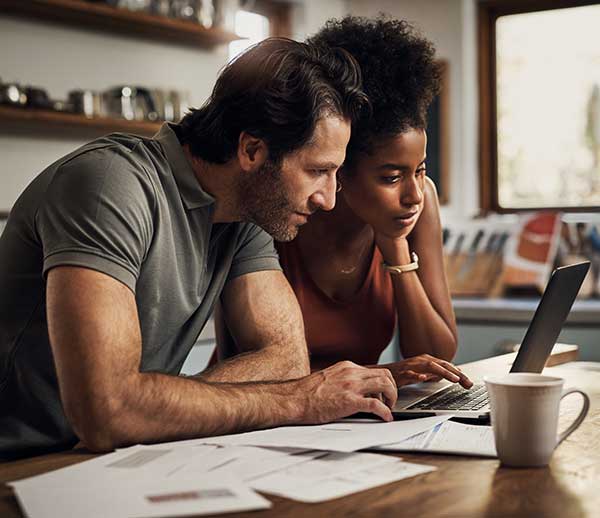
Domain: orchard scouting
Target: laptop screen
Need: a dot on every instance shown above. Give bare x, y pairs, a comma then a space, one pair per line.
549, 317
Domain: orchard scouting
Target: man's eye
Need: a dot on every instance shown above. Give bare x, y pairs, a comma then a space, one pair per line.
320, 171
421, 171
390, 179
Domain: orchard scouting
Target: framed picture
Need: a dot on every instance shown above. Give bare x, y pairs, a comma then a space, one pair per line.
437, 138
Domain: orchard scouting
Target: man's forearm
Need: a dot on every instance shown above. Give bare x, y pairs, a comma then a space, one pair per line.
273, 363
153, 407
190, 408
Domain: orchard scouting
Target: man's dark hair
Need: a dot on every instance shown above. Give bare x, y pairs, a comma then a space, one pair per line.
400, 74
277, 91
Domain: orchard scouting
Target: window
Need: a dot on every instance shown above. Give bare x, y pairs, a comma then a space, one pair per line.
539, 105
257, 20
252, 26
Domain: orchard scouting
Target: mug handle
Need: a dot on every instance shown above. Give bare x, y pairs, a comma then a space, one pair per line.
578, 420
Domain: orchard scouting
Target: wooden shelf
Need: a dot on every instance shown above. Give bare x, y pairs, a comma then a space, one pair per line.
44, 121
102, 17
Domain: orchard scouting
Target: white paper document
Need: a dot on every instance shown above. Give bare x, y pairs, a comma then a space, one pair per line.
153, 481
194, 478
345, 436
242, 462
452, 438
204, 496
138, 463
336, 474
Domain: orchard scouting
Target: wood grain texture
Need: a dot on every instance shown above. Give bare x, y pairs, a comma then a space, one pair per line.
461, 486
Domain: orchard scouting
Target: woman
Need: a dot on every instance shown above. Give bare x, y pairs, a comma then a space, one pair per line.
354, 269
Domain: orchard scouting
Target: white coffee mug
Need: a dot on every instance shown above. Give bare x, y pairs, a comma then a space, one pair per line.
524, 409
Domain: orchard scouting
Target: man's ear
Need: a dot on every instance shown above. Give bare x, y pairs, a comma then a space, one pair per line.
252, 152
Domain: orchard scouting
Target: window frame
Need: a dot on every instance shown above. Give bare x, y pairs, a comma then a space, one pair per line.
488, 11
442, 150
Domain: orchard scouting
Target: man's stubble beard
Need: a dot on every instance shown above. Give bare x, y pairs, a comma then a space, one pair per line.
266, 202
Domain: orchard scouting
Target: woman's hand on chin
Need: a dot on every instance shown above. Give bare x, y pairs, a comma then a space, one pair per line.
393, 244
395, 250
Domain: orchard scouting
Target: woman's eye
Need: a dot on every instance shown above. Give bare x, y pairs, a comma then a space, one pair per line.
421, 171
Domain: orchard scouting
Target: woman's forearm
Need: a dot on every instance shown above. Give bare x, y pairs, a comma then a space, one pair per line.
421, 328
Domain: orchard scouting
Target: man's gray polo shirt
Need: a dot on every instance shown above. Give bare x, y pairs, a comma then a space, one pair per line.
130, 208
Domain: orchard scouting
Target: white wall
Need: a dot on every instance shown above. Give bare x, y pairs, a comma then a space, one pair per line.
309, 16
60, 58
450, 25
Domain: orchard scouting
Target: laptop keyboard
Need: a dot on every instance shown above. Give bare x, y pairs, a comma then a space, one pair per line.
455, 398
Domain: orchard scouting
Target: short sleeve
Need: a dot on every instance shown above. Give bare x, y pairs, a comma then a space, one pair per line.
254, 253
97, 213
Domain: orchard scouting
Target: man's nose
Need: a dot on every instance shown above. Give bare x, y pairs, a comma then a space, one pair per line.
324, 198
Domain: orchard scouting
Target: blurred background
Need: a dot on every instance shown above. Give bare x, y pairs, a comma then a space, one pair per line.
514, 137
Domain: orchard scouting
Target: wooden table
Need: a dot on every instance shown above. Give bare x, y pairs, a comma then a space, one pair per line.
461, 486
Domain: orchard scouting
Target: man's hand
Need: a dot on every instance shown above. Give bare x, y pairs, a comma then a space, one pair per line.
345, 389
427, 368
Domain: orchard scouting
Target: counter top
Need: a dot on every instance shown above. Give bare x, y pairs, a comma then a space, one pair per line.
512, 310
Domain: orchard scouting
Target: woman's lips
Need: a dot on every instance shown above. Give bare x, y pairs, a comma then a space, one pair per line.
407, 215
407, 219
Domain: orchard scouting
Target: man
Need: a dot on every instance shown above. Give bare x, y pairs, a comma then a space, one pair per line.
114, 257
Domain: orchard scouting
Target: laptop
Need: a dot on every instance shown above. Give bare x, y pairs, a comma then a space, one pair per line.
426, 399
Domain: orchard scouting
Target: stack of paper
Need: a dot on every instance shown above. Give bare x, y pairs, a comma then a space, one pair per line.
336, 474
138, 481
219, 475
449, 438
347, 435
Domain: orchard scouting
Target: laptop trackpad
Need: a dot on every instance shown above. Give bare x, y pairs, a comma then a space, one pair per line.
409, 394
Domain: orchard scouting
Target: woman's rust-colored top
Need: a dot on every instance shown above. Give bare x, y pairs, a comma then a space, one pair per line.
357, 329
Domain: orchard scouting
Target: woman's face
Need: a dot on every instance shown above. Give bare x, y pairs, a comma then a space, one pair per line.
385, 188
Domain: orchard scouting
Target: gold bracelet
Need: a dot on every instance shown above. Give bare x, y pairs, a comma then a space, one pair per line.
403, 268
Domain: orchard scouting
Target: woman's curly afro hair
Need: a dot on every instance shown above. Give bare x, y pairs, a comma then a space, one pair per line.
400, 74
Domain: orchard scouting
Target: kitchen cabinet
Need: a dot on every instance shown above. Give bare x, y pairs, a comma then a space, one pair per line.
484, 325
